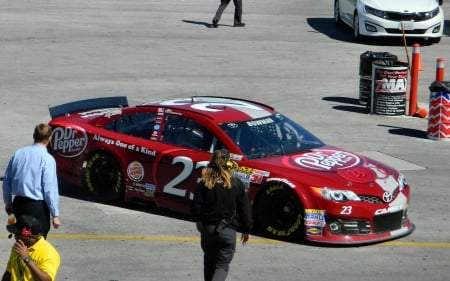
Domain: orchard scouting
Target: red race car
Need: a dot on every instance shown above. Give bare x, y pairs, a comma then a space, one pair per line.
299, 187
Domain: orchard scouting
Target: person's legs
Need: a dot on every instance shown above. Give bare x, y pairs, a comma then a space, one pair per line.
209, 246
35, 208
222, 6
227, 247
237, 12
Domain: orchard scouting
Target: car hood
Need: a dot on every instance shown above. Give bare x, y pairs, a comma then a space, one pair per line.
331, 167
402, 5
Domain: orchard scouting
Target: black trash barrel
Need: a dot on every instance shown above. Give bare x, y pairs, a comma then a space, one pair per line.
365, 72
389, 84
439, 111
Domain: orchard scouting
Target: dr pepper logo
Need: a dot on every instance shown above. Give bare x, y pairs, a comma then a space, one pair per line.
327, 160
68, 142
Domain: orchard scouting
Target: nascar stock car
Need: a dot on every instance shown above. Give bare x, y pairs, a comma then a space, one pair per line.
299, 187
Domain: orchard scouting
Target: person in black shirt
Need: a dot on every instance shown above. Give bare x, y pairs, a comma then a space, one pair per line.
220, 206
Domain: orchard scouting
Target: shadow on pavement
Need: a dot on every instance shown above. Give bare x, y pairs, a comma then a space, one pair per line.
406, 132
353, 106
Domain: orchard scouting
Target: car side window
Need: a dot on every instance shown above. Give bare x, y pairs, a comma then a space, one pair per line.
186, 132
138, 124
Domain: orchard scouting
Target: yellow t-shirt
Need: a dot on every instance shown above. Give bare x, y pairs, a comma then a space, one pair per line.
43, 254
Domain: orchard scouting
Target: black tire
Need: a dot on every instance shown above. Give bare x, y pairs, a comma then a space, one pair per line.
103, 178
356, 23
337, 17
279, 212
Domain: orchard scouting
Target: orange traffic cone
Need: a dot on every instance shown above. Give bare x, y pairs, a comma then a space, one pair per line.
419, 65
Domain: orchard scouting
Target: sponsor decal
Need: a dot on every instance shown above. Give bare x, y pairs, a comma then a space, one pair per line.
327, 160
146, 189
68, 141
359, 174
388, 210
314, 217
119, 143
135, 171
149, 190
245, 170
108, 112
258, 175
313, 230
260, 122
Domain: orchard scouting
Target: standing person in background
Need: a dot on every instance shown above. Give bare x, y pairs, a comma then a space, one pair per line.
30, 184
220, 206
32, 257
237, 13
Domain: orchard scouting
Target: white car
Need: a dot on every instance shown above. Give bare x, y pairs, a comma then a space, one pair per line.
392, 18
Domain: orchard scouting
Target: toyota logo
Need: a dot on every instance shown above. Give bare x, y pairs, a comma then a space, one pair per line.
387, 197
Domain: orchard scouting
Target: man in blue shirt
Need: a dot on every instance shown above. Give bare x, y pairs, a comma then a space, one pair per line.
30, 184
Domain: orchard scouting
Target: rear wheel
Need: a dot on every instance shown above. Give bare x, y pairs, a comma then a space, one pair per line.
279, 212
103, 178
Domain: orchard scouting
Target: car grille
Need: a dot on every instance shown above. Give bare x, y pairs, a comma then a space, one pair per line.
388, 222
383, 223
408, 16
398, 31
374, 199
349, 227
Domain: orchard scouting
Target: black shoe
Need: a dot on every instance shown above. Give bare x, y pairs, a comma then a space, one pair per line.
241, 24
215, 24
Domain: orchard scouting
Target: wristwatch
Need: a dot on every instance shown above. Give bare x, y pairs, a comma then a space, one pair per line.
27, 259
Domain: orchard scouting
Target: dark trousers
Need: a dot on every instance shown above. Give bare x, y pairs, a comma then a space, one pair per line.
218, 250
237, 10
36, 208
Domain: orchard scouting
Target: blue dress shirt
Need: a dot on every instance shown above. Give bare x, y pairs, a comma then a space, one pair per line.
31, 173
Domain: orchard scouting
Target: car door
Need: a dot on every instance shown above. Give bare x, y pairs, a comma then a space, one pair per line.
188, 148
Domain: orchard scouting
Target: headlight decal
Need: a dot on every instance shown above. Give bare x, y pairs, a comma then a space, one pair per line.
339, 195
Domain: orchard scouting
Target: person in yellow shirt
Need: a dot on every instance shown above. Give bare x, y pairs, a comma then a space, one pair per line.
32, 257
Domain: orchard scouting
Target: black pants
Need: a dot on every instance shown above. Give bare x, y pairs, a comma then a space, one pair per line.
237, 10
218, 250
36, 208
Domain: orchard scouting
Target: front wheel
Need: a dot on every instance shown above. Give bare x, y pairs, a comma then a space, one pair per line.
356, 23
337, 13
279, 212
103, 178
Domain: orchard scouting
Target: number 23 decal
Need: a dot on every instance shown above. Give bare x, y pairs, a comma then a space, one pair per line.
346, 210
188, 168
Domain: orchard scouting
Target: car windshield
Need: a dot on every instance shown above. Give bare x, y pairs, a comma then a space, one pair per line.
270, 136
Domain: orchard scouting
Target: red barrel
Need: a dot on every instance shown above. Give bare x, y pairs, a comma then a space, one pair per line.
439, 111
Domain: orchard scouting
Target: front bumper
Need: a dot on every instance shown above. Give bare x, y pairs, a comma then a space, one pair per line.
371, 25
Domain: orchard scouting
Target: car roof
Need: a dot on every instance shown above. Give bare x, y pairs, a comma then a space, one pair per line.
220, 109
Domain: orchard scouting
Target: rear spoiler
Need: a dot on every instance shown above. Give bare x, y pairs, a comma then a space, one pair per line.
88, 104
